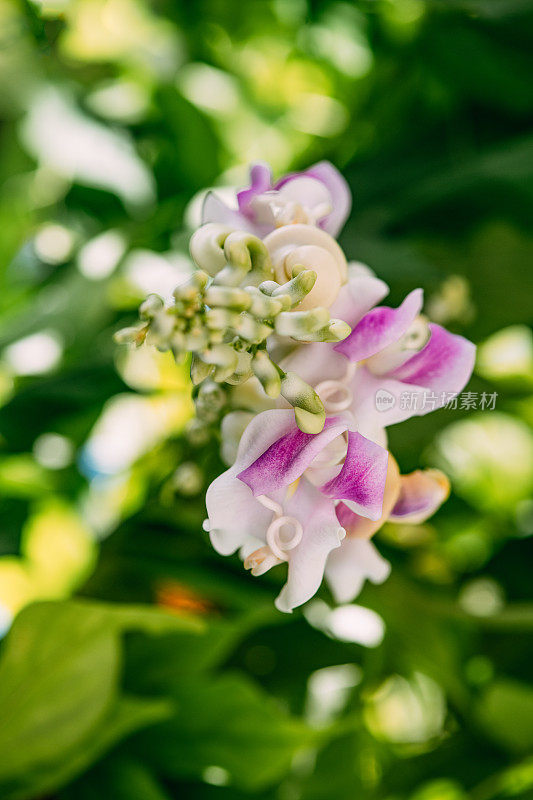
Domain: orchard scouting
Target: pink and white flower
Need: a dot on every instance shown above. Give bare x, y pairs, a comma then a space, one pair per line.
392, 366
278, 501
318, 196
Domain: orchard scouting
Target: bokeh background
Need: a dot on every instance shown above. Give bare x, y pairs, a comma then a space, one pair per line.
139, 664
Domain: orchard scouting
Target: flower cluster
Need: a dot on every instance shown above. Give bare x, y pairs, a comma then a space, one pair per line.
316, 371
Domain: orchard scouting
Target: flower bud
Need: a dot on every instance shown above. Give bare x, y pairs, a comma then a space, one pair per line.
296, 323
243, 370
199, 369
335, 331
227, 297
308, 409
207, 247
219, 319
262, 306
267, 374
149, 307
298, 287
251, 330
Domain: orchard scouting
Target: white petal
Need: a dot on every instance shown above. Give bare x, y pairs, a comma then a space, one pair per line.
347, 568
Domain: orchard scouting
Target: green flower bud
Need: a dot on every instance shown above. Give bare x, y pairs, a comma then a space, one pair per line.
227, 297
243, 369
207, 247
267, 374
262, 306
220, 319
335, 331
150, 307
308, 409
295, 323
136, 335
199, 369
252, 330
298, 287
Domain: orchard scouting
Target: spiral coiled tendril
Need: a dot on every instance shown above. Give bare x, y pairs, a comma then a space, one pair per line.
276, 536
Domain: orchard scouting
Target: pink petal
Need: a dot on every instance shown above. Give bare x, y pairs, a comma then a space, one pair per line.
361, 481
380, 327
421, 494
359, 295
260, 181
234, 514
341, 196
215, 210
322, 534
362, 527
445, 364
288, 458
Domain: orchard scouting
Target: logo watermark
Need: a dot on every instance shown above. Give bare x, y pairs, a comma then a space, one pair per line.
429, 401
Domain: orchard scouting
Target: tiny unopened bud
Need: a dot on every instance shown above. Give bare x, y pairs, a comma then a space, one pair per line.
308, 409
219, 319
211, 395
199, 370
267, 374
188, 479
251, 330
299, 287
262, 306
243, 370
229, 297
335, 331
196, 339
136, 335
149, 307
294, 323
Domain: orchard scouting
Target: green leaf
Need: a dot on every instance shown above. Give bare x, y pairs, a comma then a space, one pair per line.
59, 681
123, 779
229, 723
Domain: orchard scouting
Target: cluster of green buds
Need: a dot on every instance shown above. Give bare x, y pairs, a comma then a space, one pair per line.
224, 313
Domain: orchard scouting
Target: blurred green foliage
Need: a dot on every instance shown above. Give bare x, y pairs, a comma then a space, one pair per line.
171, 674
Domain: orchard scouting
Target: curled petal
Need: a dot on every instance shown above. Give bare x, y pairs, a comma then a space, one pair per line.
300, 245
288, 458
421, 494
381, 327
347, 568
321, 534
361, 481
339, 191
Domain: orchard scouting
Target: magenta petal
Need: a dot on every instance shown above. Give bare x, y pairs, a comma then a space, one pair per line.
260, 181
445, 364
288, 458
361, 480
380, 327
